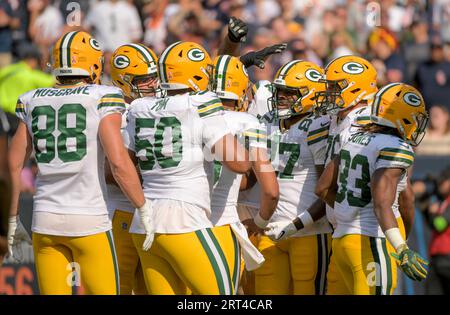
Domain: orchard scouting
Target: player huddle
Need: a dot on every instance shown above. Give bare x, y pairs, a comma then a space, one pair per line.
186, 178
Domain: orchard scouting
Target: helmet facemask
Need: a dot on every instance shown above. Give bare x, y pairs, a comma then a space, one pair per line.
145, 85
330, 101
287, 101
421, 121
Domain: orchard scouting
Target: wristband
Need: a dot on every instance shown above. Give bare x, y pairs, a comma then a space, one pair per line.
260, 222
395, 238
306, 218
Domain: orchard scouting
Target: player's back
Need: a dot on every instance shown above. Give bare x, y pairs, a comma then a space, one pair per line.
168, 135
361, 155
63, 123
225, 183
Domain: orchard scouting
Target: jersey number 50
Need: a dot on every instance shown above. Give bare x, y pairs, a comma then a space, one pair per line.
66, 153
154, 152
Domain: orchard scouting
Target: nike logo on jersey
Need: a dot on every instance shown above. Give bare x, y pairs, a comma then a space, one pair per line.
324, 124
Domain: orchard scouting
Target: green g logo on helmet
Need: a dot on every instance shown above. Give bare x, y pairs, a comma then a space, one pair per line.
94, 44
196, 54
353, 68
121, 62
313, 75
412, 99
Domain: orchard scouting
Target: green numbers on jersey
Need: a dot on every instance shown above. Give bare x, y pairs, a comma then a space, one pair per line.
359, 162
154, 152
52, 119
331, 145
293, 150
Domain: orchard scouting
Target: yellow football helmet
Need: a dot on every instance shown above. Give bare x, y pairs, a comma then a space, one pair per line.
295, 87
77, 54
350, 80
402, 107
230, 80
184, 65
131, 63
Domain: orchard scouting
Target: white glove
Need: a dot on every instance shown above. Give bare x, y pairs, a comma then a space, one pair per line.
146, 215
278, 231
16, 235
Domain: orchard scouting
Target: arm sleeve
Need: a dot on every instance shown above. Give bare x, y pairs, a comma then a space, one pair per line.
21, 110
317, 140
394, 157
255, 137
111, 104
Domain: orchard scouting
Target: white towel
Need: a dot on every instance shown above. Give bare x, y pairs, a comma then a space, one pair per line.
253, 259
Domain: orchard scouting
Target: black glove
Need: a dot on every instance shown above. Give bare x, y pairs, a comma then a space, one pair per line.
257, 58
237, 30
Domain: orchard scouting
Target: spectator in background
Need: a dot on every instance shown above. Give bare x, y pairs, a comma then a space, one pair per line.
437, 138
441, 18
20, 34
46, 26
113, 23
447, 51
433, 77
389, 64
300, 51
341, 45
155, 24
266, 10
7, 24
190, 23
22, 77
438, 217
417, 50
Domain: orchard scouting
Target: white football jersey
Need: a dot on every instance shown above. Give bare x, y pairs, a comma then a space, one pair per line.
168, 136
63, 124
294, 155
262, 94
258, 107
361, 155
116, 198
225, 183
337, 127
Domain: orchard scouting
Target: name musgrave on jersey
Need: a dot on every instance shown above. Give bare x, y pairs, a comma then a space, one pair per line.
61, 92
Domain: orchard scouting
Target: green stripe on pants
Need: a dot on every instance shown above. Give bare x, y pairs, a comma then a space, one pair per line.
116, 266
212, 260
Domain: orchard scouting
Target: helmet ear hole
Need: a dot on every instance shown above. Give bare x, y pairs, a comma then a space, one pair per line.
197, 78
180, 54
406, 121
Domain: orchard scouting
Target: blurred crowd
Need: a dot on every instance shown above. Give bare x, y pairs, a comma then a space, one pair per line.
406, 40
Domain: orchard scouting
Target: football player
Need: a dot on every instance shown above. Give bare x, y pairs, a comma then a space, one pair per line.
230, 82
71, 128
297, 263
361, 184
350, 85
134, 70
171, 137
